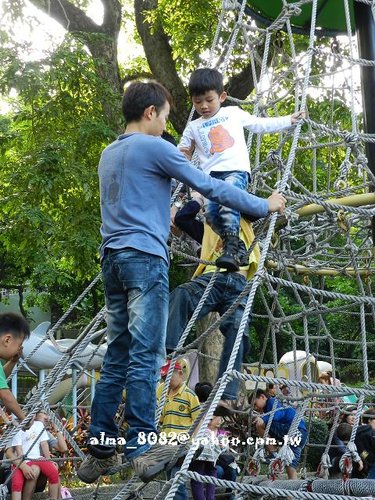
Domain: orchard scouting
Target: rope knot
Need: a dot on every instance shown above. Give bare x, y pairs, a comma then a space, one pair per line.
276, 468
326, 461
293, 10
231, 5
351, 139
274, 158
361, 160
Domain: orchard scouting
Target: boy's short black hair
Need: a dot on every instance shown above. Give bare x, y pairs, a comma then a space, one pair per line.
204, 79
203, 390
140, 95
260, 392
14, 324
255, 395
344, 431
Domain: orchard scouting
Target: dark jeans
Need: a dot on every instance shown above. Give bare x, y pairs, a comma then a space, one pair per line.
228, 473
181, 493
183, 301
203, 491
224, 219
136, 291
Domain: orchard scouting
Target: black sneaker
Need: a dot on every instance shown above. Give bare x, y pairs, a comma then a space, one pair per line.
149, 464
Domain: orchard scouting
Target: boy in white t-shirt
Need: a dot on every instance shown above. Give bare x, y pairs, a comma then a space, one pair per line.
218, 138
30, 450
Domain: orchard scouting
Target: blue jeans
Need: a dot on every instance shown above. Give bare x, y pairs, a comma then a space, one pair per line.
224, 219
229, 474
136, 291
183, 301
279, 430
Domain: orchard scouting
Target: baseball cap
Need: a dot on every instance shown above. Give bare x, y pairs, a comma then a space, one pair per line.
164, 369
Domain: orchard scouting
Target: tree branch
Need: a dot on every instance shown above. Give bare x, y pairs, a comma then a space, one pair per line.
112, 16
159, 57
68, 15
242, 84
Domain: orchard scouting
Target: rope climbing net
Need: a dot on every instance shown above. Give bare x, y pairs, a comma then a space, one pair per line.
317, 264
325, 240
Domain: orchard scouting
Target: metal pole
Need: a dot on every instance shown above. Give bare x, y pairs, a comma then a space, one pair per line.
365, 27
74, 396
92, 385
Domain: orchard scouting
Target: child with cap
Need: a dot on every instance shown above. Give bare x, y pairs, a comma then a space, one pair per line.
181, 405
181, 408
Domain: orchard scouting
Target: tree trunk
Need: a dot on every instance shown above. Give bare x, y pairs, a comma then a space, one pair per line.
159, 57
212, 346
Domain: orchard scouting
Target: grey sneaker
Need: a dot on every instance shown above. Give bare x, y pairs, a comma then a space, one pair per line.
91, 468
156, 459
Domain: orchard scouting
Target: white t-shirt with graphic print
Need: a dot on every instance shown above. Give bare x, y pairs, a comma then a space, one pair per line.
220, 142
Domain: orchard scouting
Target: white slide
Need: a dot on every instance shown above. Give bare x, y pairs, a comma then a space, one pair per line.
48, 355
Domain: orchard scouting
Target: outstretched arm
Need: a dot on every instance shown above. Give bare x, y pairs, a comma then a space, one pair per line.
173, 164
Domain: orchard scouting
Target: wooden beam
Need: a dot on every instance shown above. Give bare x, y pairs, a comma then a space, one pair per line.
324, 271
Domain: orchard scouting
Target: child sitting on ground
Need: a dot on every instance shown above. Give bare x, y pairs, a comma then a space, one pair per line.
218, 138
29, 448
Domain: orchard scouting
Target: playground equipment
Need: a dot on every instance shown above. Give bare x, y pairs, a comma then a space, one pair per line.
44, 354
317, 239
320, 236
49, 353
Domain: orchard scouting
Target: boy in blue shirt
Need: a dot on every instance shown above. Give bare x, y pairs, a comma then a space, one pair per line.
281, 422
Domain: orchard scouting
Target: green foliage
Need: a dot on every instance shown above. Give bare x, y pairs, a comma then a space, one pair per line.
190, 25
318, 434
50, 148
51, 142
178, 274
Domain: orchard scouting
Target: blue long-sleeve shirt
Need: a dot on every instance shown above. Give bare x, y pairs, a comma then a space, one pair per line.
135, 174
283, 414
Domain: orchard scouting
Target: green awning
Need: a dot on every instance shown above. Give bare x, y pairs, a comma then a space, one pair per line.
330, 15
